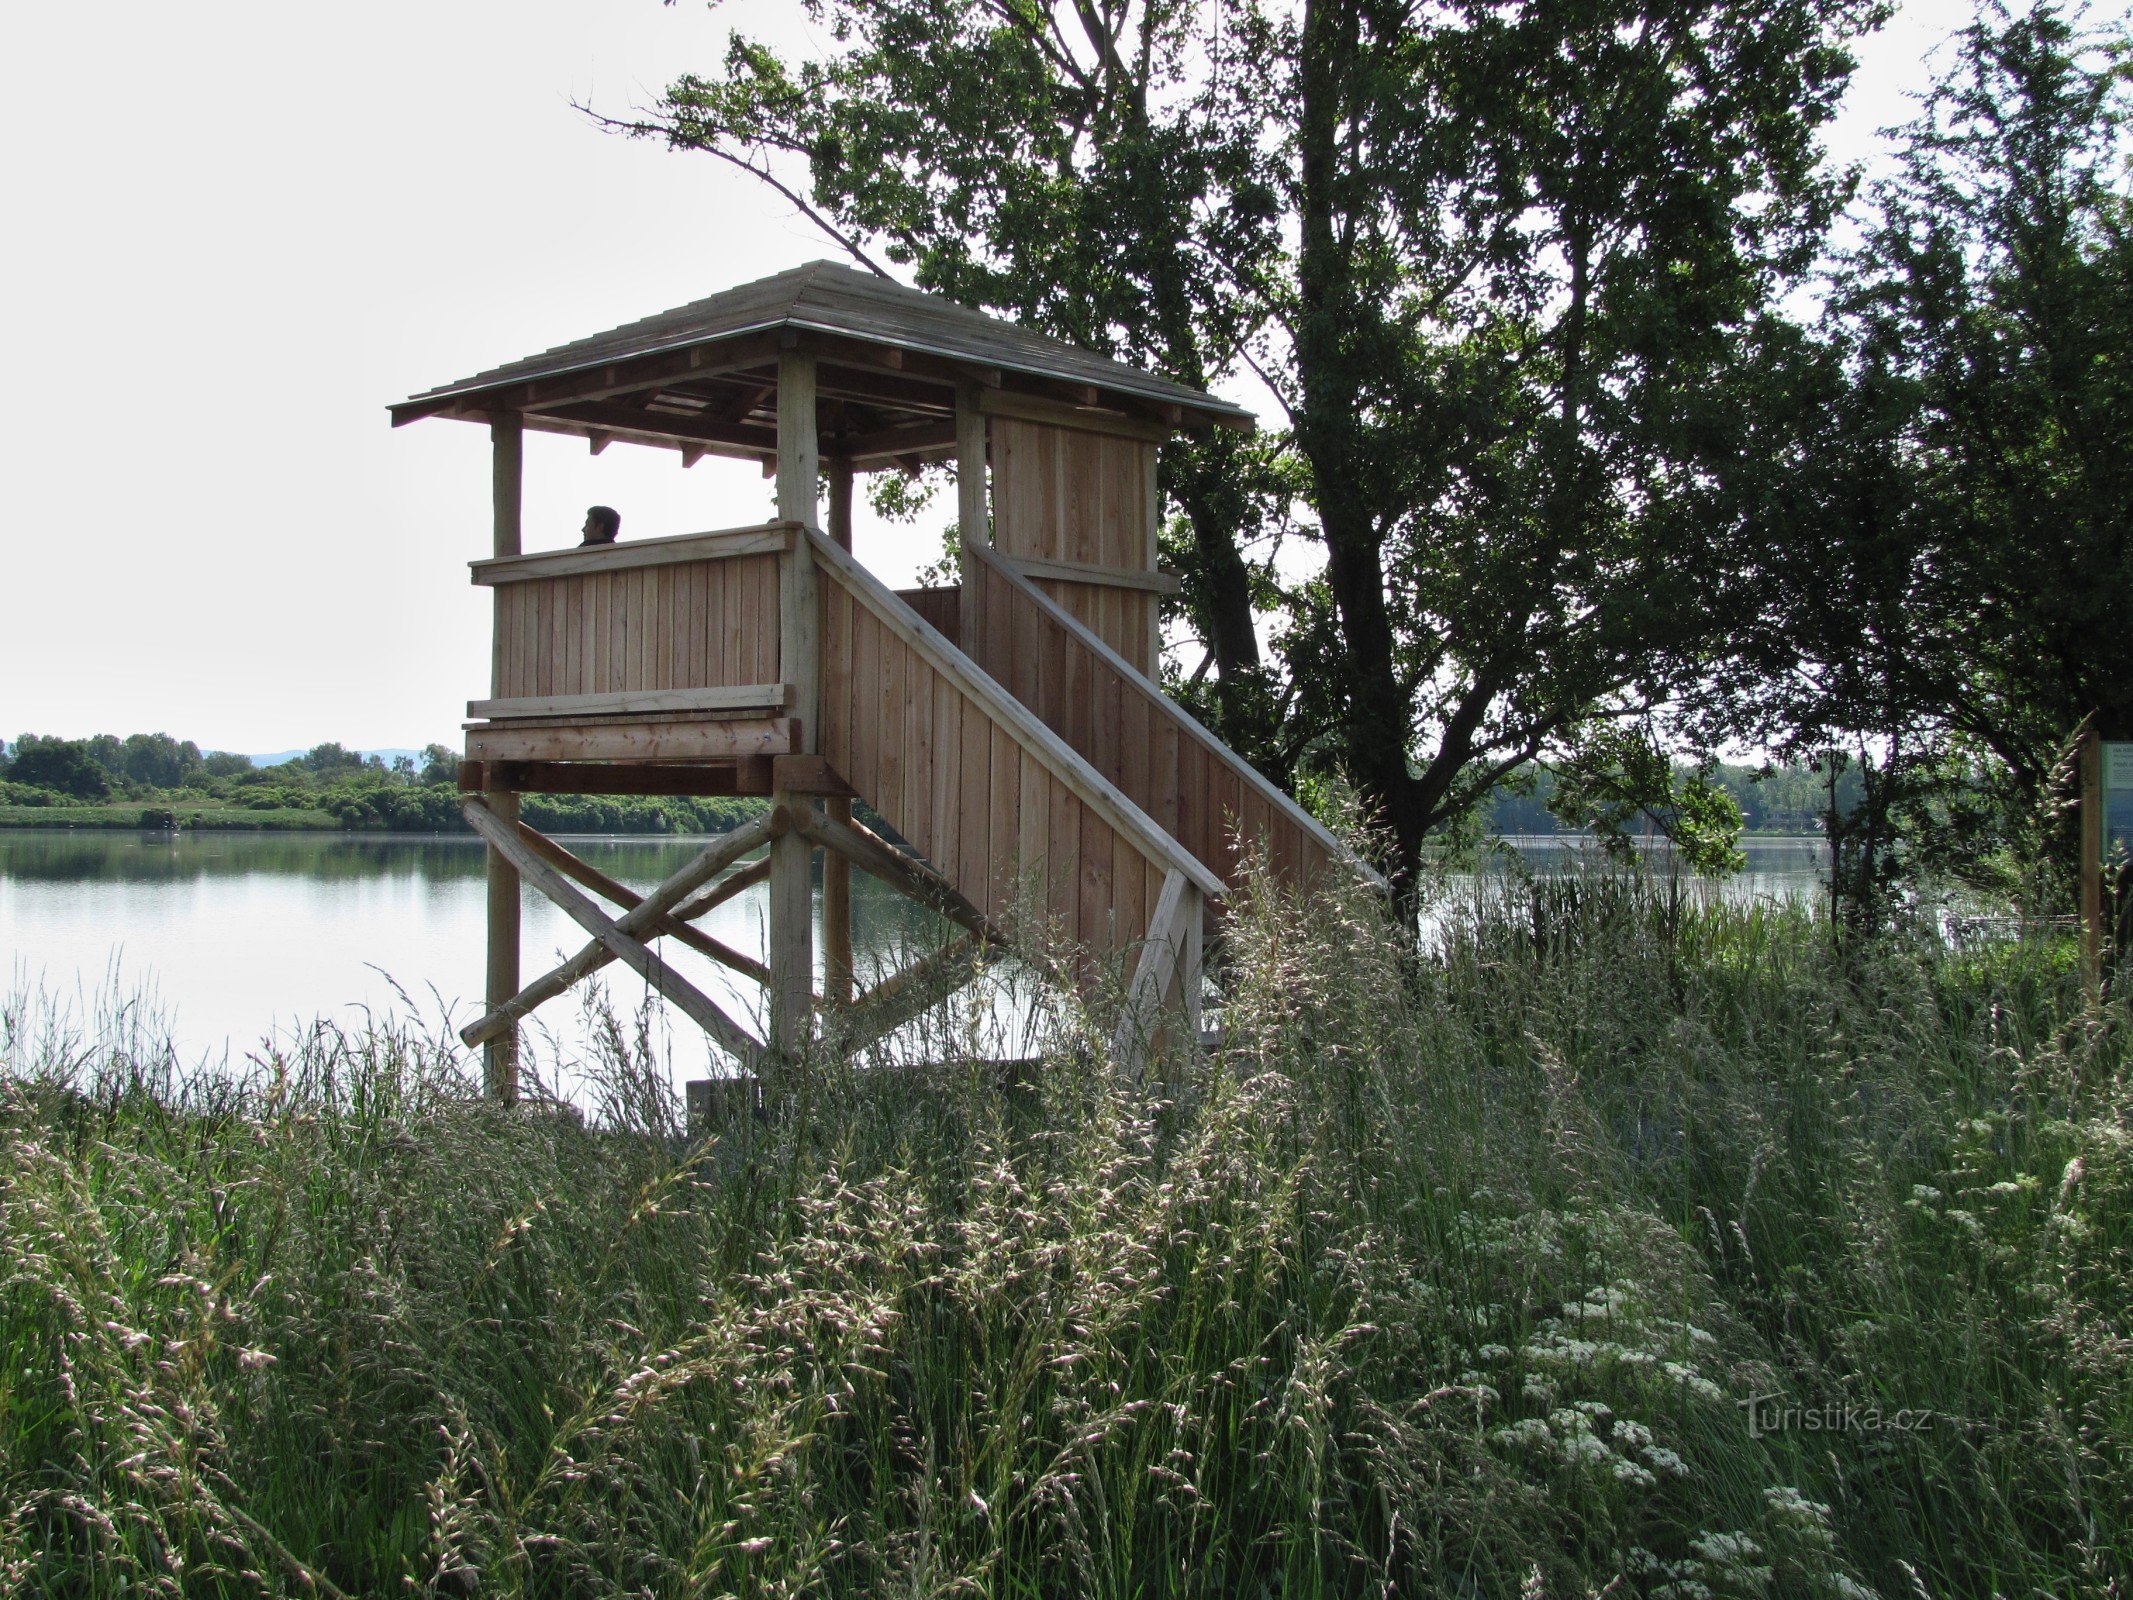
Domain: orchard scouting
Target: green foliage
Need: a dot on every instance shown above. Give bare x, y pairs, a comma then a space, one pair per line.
1934, 488
63, 766
56, 782
1498, 265
1446, 1277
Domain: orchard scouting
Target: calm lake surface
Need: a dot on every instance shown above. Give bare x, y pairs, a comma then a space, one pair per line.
231, 940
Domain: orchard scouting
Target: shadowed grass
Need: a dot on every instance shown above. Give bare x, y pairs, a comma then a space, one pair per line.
1446, 1276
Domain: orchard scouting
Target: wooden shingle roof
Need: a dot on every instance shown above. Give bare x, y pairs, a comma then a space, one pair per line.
827, 298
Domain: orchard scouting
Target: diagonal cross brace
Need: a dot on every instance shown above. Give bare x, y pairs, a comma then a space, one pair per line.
1169, 957
619, 940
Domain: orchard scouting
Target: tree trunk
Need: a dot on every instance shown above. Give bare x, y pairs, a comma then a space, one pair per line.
1330, 433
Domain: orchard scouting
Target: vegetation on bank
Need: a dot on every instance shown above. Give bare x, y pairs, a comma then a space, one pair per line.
153, 780
1621, 1244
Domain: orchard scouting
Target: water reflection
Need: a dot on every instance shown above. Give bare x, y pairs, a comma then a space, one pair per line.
248, 935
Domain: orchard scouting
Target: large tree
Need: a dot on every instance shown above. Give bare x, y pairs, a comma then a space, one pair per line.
1937, 486
1491, 264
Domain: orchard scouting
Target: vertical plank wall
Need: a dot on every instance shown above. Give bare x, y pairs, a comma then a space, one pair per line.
955, 783
683, 625
1064, 494
1193, 787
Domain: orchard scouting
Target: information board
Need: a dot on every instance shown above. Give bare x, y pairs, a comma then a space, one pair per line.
2117, 797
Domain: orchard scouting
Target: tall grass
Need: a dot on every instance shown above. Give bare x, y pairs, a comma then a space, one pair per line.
1445, 1276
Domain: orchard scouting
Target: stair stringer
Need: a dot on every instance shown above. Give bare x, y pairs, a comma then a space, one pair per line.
999, 803
1202, 793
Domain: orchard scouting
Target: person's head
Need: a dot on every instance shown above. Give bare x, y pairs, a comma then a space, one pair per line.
602, 523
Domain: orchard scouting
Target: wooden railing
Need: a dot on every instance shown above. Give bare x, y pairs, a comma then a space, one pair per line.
652, 626
996, 800
1190, 784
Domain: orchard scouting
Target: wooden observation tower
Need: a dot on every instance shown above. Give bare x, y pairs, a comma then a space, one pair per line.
1010, 730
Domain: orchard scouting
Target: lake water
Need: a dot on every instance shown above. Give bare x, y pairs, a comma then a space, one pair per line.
233, 939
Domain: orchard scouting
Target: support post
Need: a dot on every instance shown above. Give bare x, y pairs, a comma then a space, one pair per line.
2092, 864
837, 914
507, 442
840, 519
792, 956
973, 525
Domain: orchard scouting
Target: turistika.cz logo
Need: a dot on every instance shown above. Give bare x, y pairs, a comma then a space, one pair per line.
1774, 1413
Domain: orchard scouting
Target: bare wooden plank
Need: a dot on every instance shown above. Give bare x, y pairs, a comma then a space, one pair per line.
791, 944
1063, 880
836, 669
1005, 824
1129, 906
1058, 414
1135, 748
889, 787
873, 855
622, 895
1033, 836
919, 754
633, 741
944, 840
740, 697
723, 544
619, 938
500, 1049
864, 768
973, 804
1098, 843
1137, 578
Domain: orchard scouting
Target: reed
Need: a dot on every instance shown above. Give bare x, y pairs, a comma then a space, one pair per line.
1449, 1274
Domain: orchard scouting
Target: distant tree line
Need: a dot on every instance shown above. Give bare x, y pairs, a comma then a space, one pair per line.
329, 785
1607, 420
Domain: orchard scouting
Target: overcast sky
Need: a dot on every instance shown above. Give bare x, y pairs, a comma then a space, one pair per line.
239, 230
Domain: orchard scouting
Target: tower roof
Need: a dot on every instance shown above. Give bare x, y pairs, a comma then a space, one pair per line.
854, 318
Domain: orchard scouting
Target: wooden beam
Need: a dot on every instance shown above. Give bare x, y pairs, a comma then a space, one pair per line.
1085, 572
808, 775
875, 856
792, 961
837, 914
507, 441
683, 427
885, 444
910, 993
599, 380
621, 939
840, 497
973, 520
591, 777
501, 975
1159, 971
734, 697
658, 742
722, 544
629, 900
718, 894
597, 955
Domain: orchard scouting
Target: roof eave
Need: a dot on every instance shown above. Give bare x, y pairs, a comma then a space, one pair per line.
1203, 407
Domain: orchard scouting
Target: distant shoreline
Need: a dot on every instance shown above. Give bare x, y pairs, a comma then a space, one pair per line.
236, 819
